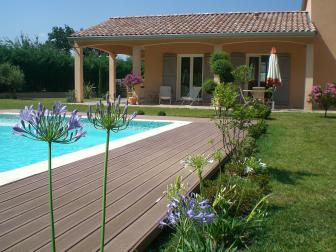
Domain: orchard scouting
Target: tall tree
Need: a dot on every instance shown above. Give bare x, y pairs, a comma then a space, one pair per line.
58, 37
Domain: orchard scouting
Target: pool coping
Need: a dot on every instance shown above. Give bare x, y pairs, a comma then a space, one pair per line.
42, 166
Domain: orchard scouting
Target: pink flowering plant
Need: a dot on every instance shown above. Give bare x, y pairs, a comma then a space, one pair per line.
325, 96
51, 126
131, 80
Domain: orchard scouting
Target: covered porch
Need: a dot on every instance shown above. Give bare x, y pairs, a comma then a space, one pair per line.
181, 61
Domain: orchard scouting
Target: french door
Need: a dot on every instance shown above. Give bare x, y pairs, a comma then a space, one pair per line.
189, 73
259, 66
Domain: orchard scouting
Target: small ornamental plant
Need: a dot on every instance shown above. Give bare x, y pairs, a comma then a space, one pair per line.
254, 166
186, 213
197, 162
325, 96
51, 126
131, 80
111, 118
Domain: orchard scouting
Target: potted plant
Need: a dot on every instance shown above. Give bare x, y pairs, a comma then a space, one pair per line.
130, 81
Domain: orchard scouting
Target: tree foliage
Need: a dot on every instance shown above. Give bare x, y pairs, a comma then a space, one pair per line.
58, 37
50, 67
12, 77
220, 64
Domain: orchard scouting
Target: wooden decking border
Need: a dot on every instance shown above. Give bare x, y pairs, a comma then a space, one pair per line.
138, 175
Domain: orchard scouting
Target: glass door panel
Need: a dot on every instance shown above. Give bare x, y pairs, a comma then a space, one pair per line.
254, 64
263, 70
197, 71
190, 73
185, 76
259, 65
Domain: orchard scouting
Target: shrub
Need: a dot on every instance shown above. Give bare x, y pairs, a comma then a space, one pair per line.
161, 113
254, 166
247, 147
324, 97
140, 112
225, 96
220, 64
200, 226
249, 166
262, 111
231, 118
209, 86
12, 77
242, 74
70, 96
248, 191
258, 129
89, 90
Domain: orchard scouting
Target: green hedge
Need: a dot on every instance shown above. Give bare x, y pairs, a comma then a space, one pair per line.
48, 68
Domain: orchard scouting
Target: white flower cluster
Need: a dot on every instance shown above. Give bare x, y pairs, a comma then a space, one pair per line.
254, 165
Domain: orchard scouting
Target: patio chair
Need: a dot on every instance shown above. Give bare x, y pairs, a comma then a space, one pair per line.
165, 94
193, 95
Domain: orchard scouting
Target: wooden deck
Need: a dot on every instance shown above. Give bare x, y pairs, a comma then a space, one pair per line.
138, 175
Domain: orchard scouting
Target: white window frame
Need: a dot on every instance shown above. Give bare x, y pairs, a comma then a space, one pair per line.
178, 76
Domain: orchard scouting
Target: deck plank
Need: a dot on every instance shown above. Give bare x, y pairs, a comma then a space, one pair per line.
65, 195
82, 175
138, 175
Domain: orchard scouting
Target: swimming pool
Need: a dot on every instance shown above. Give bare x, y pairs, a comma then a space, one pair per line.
16, 152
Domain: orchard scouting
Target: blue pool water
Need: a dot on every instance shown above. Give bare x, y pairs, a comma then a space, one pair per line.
18, 151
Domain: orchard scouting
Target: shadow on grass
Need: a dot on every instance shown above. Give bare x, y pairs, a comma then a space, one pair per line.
288, 177
329, 117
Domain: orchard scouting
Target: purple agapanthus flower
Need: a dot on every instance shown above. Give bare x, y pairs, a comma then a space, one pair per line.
59, 108
27, 113
189, 207
74, 121
110, 117
49, 126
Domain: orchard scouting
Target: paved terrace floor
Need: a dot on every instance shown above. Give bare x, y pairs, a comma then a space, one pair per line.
138, 175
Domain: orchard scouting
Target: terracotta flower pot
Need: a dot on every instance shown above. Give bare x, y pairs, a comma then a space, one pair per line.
132, 100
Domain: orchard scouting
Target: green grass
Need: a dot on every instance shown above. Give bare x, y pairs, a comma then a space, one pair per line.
183, 112
301, 152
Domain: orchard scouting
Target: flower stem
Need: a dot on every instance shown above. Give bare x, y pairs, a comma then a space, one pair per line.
102, 230
53, 247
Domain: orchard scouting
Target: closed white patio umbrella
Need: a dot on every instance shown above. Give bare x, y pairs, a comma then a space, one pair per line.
273, 74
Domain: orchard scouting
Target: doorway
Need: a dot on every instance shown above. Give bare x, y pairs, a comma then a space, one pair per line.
189, 73
259, 66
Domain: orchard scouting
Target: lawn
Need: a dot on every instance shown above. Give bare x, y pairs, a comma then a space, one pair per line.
300, 149
183, 112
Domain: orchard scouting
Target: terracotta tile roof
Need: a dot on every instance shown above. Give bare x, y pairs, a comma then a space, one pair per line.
202, 24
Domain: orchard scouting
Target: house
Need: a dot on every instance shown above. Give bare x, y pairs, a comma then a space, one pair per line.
176, 48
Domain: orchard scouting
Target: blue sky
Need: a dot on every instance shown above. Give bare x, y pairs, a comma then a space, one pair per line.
37, 17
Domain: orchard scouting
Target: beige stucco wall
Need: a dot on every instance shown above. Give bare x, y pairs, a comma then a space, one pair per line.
297, 53
296, 50
154, 64
323, 15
